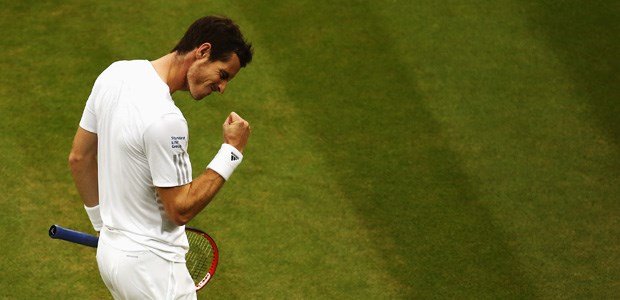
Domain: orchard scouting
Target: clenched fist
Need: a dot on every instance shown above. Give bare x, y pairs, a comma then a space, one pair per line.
236, 131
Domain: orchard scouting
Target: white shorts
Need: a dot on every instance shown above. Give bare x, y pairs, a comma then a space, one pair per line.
139, 273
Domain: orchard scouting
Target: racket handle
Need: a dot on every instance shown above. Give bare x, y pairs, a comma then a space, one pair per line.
57, 232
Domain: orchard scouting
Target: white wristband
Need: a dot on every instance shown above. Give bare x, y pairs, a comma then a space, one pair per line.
226, 161
95, 217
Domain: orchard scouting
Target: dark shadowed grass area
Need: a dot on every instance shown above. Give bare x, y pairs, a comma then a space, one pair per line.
583, 35
391, 157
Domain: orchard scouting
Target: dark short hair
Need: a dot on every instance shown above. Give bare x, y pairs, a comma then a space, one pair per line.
224, 36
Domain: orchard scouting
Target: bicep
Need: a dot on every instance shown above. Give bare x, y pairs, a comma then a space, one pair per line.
172, 198
165, 142
184, 202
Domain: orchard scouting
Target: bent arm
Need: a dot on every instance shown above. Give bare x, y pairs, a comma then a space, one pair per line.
83, 164
183, 203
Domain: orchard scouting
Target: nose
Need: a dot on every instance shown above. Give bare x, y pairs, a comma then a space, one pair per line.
222, 86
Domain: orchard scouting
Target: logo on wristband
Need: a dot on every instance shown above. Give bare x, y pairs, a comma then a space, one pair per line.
233, 156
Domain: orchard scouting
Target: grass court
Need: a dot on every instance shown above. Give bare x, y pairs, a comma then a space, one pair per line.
400, 149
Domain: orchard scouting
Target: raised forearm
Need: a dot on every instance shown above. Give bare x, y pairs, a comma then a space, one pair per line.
182, 203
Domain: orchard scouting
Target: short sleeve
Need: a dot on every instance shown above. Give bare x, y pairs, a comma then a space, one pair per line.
166, 142
89, 118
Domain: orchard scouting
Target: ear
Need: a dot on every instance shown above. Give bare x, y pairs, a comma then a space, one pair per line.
203, 51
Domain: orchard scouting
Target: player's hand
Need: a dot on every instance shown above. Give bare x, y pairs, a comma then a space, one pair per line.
236, 131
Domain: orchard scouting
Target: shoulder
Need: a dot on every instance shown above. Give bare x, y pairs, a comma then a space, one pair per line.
126, 67
168, 127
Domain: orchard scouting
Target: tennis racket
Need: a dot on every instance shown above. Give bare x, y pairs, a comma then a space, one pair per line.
201, 259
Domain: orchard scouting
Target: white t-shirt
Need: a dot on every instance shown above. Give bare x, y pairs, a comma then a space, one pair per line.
142, 144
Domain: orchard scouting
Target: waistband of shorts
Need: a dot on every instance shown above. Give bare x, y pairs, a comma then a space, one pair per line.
117, 239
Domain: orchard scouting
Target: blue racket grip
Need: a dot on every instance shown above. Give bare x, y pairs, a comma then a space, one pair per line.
57, 232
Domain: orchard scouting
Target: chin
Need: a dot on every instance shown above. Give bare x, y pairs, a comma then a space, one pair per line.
198, 97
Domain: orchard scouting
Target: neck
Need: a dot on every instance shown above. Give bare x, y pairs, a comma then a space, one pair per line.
172, 68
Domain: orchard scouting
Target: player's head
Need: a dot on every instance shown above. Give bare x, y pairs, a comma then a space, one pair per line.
222, 34
215, 50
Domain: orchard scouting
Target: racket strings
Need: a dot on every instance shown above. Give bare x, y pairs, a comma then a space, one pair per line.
200, 256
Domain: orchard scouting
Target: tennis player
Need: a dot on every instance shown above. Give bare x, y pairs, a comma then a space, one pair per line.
130, 163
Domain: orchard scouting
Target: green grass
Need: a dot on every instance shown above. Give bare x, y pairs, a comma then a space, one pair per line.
400, 149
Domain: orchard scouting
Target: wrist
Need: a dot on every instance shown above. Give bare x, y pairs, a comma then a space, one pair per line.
226, 161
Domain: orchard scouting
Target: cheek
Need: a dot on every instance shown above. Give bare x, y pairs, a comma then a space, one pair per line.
197, 85
193, 81
198, 77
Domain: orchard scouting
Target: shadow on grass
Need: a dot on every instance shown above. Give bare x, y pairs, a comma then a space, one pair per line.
357, 100
584, 35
